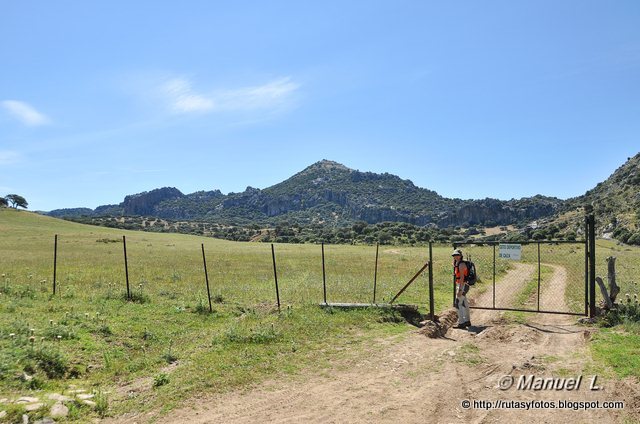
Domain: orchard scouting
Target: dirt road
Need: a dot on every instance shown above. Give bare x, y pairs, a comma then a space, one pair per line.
414, 379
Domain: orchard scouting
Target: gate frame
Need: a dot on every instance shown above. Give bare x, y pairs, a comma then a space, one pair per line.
589, 276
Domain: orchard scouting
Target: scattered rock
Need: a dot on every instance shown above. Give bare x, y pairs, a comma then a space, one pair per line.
3, 414
78, 391
33, 407
27, 399
59, 397
83, 396
4, 400
26, 377
25, 419
59, 410
531, 365
45, 420
89, 403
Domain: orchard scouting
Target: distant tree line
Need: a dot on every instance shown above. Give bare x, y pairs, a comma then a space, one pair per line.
392, 233
385, 233
16, 201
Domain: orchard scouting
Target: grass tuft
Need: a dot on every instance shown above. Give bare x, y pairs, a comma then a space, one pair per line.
49, 360
160, 379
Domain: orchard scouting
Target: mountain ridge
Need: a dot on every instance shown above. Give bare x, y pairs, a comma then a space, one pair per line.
327, 193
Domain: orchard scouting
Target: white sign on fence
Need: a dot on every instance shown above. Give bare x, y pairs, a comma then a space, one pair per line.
510, 251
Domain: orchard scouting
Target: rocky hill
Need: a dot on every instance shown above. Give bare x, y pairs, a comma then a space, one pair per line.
328, 193
615, 201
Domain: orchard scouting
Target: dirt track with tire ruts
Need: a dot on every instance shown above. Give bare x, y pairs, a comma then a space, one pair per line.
414, 379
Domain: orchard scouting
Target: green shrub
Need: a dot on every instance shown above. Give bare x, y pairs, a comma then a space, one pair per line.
137, 297
5, 365
50, 361
147, 335
622, 234
35, 383
634, 239
60, 332
105, 330
259, 335
102, 404
202, 307
14, 413
169, 356
160, 380
626, 312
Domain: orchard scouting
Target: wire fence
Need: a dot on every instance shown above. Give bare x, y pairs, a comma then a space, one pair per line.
548, 277
243, 273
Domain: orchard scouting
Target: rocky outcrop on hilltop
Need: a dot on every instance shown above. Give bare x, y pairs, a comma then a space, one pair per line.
330, 193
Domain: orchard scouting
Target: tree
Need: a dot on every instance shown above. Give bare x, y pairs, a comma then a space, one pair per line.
634, 239
359, 226
17, 201
539, 235
384, 237
3, 202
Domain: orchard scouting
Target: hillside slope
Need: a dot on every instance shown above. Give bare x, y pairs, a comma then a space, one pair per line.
615, 201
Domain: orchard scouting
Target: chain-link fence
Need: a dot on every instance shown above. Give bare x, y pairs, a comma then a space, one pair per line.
542, 276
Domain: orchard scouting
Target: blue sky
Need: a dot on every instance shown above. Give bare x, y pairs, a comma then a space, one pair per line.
471, 99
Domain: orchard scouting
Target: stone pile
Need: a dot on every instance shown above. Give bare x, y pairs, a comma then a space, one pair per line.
57, 404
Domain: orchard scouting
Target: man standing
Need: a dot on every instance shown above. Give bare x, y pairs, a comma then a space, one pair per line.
460, 272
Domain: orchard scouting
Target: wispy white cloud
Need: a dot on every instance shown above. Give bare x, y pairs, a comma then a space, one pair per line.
25, 113
266, 96
182, 98
9, 157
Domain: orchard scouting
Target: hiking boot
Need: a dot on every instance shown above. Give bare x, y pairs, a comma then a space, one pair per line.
460, 326
466, 324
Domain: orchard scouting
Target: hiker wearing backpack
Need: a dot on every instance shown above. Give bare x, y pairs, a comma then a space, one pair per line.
461, 274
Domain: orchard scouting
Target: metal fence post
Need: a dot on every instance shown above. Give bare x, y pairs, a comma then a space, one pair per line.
206, 277
275, 275
55, 261
375, 275
592, 266
494, 276
539, 276
126, 266
586, 265
432, 315
324, 277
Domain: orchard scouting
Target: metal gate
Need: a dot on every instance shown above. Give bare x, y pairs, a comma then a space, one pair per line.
554, 277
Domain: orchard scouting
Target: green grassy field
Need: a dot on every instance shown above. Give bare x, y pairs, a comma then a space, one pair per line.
93, 338
165, 346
